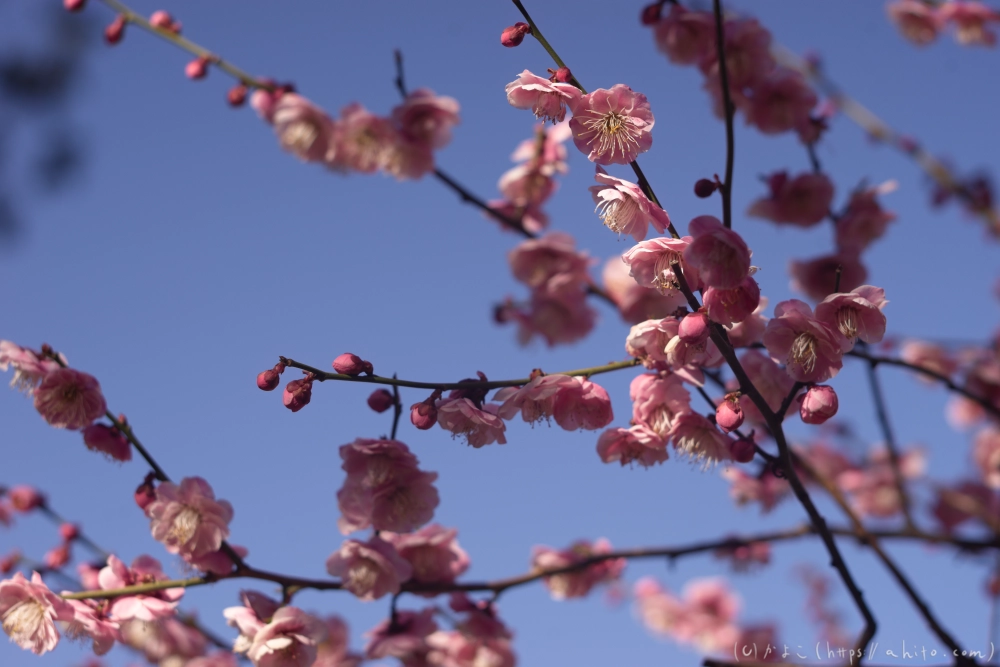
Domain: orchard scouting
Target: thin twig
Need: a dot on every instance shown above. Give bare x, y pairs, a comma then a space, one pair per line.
729, 111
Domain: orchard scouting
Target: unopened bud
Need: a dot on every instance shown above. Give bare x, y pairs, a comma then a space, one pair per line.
705, 188
298, 393
651, 13
145, 493
25, 498
693, 329
114, 32
197, 68
164, 21
237, 95
268, 380
74, 5
380, 400
819, 404
352, 364
107, 440
424, 415
729, 414
69, 532
742, 450
10, 561
562, 75
514, 35
57, 557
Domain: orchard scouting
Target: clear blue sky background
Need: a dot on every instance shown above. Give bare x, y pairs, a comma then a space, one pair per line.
193, 252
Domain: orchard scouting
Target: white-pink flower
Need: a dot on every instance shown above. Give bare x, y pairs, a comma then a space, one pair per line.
546, 99
67, 398
369, 569
576, 583
803, 200
535, 400
624, 208
636, 444
658, 401
612, 126
686, 37
141, 607
433, 552
479, 426
90, 619
289, 640
810, 349
426, 119
29, 366
585, 406
402, 636
303, 129
699, 439
720, 255
29, 611
536, 261
916, 20
187, 518
856, 314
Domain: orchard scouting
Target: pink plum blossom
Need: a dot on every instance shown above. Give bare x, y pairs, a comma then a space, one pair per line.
658, 401
558, 311
811, 351
90, 620
696, 437
164, 640
24, 498
647, 341
635, 302
711, 614
29, 611
916, 20
545, 149
728, 413
751, 329
334, 651
624, 208
536, 261
817, 278
802, 201
218, 562
652, 264
457, 649
986, 455
479, 426
965, 500
856, 314
636, 444
780, 102
365, 141
303, 129
863, 221
298, 393
731, 306
694, 328
819, 404
688, 359
403, 636
187, 518
535, 400
686, 37
255, 612
109, 441
719, 255
384, 488
29, 366
432, 552
426, 119
369, 569
214, 659
612, 126
765, 488
659, 610
927, 355
873, 489
576, 583
526, 185
546, 99
142, 607
583, 406
67, 398
743, 556
747, 46
288, 640
971, 21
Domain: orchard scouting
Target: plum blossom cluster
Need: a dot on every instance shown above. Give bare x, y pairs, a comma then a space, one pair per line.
773, 98
577, 583
558, 276
401, 144
921, 22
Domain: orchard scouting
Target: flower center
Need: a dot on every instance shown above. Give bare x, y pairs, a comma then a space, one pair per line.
363, 576
186, 524
663, 270
610, 131
300, 136
803, 352
660, 420
23, 620
617, 214
847, 322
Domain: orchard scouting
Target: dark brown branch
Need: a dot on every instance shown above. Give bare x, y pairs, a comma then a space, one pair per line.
729, 111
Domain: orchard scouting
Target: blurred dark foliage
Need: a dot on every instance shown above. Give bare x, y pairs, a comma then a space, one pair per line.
42, 58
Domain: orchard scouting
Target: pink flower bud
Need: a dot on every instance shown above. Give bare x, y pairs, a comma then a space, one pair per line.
562, 75
693, 329
651, 13
114, 32
705, 188
74, 5
819, 404
514, 35
352, 364
298, 393
145, 493
107, 440
197, 68
69, 532
10, 561
424, 415
729, 414
164, 21
380, 400
237, 95
57, 557
742, 450
25, 498
268, 380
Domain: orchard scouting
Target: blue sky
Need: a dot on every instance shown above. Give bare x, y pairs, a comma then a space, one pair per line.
192, 252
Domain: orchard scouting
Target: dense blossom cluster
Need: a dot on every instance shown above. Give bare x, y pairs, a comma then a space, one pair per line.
921, 22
